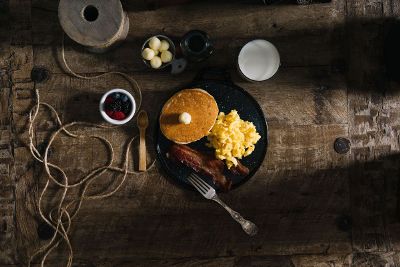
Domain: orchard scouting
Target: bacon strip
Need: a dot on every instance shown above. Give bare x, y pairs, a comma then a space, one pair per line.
240, 169
205, 164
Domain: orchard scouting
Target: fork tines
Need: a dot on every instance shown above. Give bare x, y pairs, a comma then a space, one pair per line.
204, 188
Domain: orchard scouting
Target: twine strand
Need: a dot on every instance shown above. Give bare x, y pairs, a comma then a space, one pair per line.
61, 216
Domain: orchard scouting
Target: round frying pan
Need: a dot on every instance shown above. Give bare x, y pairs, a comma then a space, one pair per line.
228, 96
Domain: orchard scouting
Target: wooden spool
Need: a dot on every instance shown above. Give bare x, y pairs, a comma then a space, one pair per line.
95, 24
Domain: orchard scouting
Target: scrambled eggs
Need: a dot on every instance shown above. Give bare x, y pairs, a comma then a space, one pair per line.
232, 138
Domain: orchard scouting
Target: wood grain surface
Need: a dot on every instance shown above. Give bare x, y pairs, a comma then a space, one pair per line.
314, 207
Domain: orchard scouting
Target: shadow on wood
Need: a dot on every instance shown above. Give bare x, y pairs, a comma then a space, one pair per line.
83, 107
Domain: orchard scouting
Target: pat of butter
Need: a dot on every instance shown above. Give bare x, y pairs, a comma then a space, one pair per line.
185, 118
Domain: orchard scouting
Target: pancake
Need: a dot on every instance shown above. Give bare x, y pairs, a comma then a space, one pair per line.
203, 111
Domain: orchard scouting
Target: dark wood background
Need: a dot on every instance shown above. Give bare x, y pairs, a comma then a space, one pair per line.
314, 207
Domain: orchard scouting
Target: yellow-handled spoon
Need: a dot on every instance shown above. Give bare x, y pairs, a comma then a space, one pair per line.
143, 123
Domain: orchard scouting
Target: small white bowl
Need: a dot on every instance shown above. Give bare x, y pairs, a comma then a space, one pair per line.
104, 114
171, 49
258, 60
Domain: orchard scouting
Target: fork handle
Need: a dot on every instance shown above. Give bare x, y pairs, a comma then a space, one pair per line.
249, 227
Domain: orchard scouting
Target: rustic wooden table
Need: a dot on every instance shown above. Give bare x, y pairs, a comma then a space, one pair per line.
314, 207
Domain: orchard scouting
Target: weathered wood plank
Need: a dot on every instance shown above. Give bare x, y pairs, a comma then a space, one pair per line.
4, 106
21, 63
288, 149
4, 42
305, 31
21, 28
325, 52
321, 260
297, 147
374, 180
249, 261
298, 96
317, 96
218, 19
304, 223
7, 183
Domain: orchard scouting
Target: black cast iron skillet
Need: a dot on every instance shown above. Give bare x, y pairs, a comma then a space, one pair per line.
228, 96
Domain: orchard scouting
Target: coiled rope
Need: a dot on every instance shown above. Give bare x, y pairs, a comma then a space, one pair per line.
61, 216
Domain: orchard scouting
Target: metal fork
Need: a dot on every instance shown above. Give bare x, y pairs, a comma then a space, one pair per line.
208, 192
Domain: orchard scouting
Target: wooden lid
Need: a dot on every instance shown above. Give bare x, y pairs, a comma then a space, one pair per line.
91, 22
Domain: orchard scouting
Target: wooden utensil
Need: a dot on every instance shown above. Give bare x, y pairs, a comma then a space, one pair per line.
142, 122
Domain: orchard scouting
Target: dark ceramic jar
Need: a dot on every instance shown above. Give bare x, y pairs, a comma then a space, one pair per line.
196, 46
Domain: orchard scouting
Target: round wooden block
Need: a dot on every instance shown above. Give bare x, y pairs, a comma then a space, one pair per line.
96, 24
